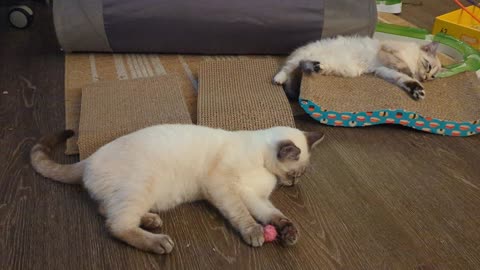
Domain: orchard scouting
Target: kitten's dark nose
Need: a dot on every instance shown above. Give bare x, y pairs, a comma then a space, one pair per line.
433, 76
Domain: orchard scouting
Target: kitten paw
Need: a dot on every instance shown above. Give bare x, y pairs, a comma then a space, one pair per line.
151, 221
310, 66
288, 233
416, 89
418, 94
254, 236
162, 244
280, 78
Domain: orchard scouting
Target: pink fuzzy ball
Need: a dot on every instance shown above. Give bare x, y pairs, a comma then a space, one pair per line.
269, 233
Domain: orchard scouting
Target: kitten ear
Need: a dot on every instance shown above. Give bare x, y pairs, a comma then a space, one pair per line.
430, 48
287, 150
314, 138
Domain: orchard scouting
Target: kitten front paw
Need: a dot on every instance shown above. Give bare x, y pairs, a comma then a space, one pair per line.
254, 236
309, 67
415, 89
289, 234
287, 231
280, 78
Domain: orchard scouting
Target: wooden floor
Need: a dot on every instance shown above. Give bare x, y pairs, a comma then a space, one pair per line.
375, 198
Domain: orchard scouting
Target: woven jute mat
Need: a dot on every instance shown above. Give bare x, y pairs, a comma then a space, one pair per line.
239, 95
455, 98
82, 69
113, 109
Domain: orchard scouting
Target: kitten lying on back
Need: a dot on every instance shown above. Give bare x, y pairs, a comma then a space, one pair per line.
157, 168
405, 64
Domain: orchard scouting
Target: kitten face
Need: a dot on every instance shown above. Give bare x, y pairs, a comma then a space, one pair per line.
429, 63
293, 156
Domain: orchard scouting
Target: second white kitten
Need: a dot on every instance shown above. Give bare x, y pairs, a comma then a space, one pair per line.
405, 64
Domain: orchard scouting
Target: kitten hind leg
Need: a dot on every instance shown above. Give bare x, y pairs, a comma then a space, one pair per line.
309, 67
124, 220
285, 75
292, 86
144, 240
148, 221
281, 77
286, 71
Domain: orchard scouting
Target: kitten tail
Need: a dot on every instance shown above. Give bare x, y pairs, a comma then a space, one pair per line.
44, 165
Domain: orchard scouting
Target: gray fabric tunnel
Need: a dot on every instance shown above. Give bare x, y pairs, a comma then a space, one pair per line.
207, 26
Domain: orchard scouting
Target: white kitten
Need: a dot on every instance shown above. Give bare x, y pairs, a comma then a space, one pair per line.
402, 63
160, 167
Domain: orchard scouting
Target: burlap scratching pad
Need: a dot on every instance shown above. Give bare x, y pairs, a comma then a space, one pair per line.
82, 69
452, 104
455, 98
112, 109
239, 95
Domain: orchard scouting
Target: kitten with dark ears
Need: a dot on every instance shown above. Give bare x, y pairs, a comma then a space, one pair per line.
405, 64
136, 176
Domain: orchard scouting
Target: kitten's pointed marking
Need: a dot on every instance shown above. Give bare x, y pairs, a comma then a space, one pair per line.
287, 150
151, 221
308, 67
416, 89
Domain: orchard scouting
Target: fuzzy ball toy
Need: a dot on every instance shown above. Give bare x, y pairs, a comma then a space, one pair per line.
269, 233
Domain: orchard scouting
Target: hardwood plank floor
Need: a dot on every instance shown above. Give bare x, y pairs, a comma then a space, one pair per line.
375, 198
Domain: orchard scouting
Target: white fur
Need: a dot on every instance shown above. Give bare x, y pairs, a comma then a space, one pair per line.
160, 167
353, 56
178, 157
342, 56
